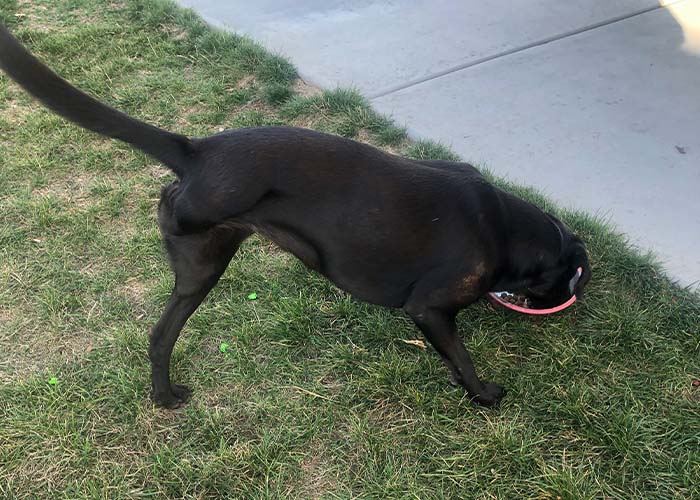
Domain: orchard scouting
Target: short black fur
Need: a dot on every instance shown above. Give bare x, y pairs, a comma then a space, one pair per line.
430, 237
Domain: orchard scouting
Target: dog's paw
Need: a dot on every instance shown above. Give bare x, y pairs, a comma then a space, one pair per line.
490, 395
176, 398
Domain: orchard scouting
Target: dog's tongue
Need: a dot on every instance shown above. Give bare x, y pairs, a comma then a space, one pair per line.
574, 281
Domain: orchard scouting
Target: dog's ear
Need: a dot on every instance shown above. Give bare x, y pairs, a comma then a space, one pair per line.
578, 258
574, 281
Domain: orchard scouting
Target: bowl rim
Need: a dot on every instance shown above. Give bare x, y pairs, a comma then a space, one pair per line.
525, 310
550, 310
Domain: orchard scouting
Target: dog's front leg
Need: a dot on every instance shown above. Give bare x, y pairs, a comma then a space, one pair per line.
440, 329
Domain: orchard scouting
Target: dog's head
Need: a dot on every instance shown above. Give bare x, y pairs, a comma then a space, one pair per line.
556, 279
556, 284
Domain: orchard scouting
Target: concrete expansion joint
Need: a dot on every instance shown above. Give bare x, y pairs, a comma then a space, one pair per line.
515, 50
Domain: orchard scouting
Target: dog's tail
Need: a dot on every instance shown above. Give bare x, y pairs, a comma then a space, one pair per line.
64, 99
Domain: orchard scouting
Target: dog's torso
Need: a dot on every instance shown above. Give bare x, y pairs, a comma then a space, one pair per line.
371, 222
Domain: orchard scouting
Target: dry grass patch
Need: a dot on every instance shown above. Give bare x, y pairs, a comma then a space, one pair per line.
30, 349
305, 89
317, 478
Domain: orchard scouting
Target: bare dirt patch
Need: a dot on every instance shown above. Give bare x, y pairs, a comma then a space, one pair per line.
29, 349
183, 119
175, 32
317, 478
74, 190
305, 89
246, 82
31, 14
135, 292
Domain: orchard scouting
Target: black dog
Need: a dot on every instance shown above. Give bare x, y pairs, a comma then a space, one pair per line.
430, 237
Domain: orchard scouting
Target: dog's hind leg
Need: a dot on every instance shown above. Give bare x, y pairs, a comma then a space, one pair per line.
198, 261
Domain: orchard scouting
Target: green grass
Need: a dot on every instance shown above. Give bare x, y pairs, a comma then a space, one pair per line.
317, 396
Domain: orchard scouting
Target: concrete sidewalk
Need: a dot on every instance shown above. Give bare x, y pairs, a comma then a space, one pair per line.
596, 103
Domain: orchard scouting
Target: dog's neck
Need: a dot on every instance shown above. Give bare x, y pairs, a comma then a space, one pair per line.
533, 239
527, 224
557, 225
